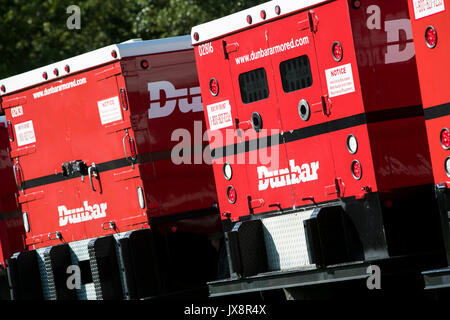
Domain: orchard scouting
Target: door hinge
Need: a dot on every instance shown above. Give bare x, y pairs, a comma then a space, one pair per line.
113, 71
22, 152
326, 105
31, 197
242, 125
254, 204
311, 22
229, 48
14, 102
338, 188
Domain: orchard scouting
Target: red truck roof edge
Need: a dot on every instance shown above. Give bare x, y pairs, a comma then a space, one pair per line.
239, 20
92, 59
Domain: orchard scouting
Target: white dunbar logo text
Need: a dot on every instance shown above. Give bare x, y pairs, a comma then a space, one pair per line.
163, 105
78, 215
289, 176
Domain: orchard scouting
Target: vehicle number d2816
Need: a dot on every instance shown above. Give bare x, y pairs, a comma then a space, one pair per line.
205, 49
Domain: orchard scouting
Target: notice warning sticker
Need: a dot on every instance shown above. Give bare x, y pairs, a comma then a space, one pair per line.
219, 115
340, 80
425, 8
109, 110
25, 133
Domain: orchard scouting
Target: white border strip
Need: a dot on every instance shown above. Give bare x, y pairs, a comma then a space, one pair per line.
238, 21
94, 58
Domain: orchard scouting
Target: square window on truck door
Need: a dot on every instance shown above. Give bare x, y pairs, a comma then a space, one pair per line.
253, 85
296, 74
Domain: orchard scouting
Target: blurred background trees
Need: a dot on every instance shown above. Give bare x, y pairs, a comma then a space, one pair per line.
34, 33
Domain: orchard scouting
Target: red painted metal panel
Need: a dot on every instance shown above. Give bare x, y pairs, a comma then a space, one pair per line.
116, 112
370, 92
433, 66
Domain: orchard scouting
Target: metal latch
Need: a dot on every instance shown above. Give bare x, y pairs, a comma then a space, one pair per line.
338, 188
54, 236
442, 186
132, 157
74, 167
109, 225
93, 173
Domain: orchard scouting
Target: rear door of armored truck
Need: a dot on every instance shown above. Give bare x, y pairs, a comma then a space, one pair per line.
303, 106
101, 135
256, 103
40, 144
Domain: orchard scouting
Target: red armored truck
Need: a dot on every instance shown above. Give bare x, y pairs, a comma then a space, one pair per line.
319, 144
110, 187
431, 30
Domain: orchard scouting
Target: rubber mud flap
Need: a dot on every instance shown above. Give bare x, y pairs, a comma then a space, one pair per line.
57, 260
141, 267
248, 250
105, 268
331, 237
24, 277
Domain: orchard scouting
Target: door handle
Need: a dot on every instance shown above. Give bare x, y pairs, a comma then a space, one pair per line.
130, 141
123, 142
17, 175
92, 172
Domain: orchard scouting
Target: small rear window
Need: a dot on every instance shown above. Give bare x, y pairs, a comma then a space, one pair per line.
296, 74
254, 86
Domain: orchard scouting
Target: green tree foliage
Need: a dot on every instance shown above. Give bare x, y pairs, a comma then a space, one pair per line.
34, 33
